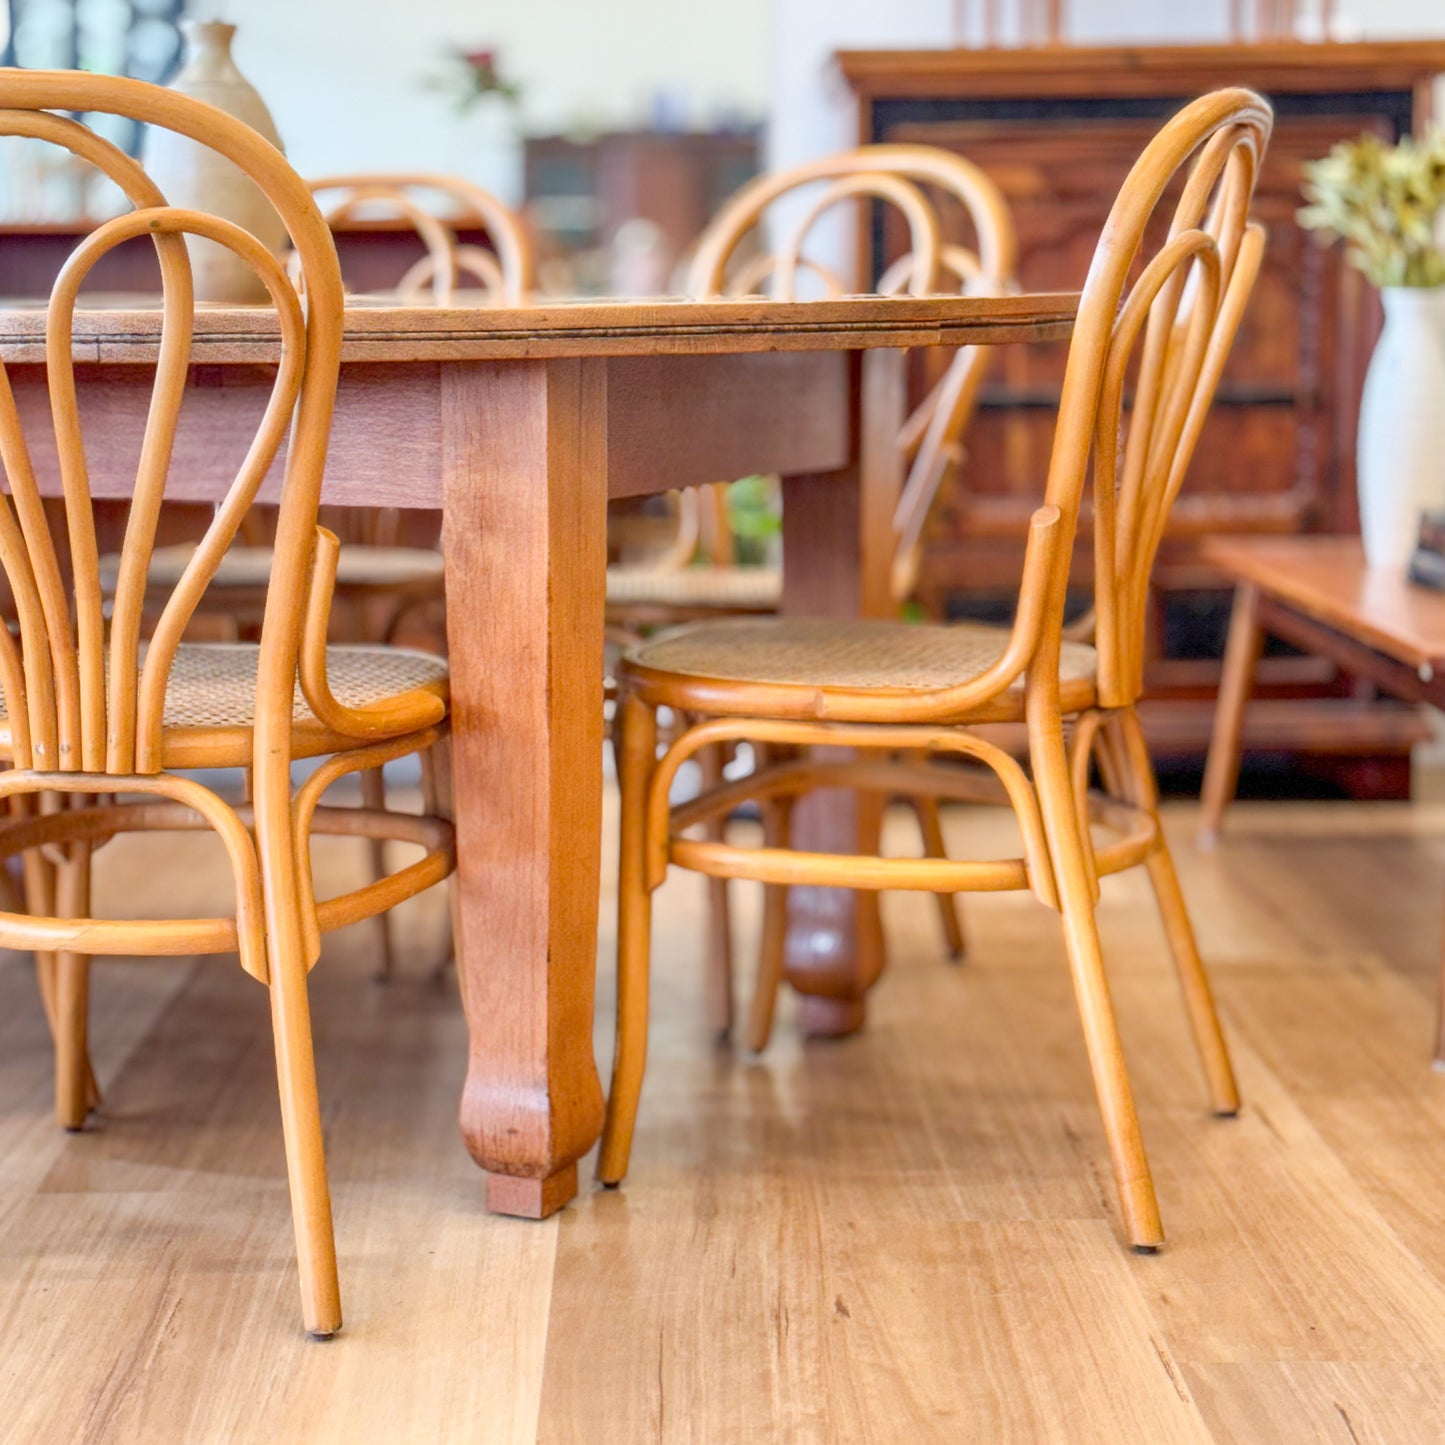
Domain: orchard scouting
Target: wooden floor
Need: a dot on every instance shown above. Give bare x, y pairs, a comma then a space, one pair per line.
908, 1236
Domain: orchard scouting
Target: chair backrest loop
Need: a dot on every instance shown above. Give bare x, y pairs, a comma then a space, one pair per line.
908, 179
1168, 330
80, 691
505, 278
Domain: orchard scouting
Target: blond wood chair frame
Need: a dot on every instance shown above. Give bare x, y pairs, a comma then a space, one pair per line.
894, 175
930, 441
506, 278
86, 703
1180, 315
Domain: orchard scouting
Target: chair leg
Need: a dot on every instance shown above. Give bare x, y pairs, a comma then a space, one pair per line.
930, 825
373, 795
1439, 1059
436, 791
74, 1081
636, 726
305, 1155
38, 881
1193, 981
720, 929
1221, 766
1138, 1204
776, 830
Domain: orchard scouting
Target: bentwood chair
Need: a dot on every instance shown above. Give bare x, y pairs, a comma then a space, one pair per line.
960, 239
889, 690
379, 580
929, 188
384, 586
97, 724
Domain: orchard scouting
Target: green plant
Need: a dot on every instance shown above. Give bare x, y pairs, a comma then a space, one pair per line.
1385, 202
755, 517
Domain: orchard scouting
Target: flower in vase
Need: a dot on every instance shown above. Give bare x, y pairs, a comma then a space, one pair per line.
1385, 201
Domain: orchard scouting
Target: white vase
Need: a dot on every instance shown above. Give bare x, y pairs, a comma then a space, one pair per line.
1401, 459
193, 175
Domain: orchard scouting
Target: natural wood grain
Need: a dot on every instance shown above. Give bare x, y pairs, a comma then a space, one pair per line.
669, 421
835, 949
1241, 653
1171, 70
404, 436
1056, 129
523, 532
672, 421
575, 328
903, 1234
820, 685
91, 713
1318, 594
1326, 579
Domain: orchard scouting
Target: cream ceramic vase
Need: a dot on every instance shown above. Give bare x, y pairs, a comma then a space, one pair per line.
195, 176
1401, 459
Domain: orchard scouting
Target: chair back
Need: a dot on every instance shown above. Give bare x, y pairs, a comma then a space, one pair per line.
79, 693
1154, 329
732, 260
505, 276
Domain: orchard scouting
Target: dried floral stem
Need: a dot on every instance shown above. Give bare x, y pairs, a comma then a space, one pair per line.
1385, 202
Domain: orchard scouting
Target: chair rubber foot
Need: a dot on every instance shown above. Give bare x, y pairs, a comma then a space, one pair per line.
1145, 1248
610, 1183
1225, 1113
73, 1128
957, 956
321, 1336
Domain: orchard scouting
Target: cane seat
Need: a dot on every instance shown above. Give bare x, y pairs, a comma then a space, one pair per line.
707, 588
810, 654
211, 699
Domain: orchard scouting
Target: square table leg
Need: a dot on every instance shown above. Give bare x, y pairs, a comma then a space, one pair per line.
525, 471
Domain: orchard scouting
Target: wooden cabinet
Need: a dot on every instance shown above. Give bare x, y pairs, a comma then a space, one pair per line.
1058, 130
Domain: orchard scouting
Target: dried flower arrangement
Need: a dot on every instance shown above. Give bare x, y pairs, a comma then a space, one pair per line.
1385, 201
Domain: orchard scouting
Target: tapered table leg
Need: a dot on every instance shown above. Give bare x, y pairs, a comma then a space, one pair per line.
525, 463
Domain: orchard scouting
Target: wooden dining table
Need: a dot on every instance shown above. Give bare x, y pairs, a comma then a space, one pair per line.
521, 425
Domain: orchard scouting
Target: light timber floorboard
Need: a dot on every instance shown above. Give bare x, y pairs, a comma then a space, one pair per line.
906, 1235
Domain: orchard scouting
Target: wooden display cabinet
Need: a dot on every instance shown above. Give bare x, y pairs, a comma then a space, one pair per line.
1058, 128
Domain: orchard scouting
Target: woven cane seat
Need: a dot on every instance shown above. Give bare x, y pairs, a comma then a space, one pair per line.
248, 569
210, 706
893, 657
740, 589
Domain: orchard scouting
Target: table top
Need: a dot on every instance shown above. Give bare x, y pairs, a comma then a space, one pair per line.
1326, 578
128, 330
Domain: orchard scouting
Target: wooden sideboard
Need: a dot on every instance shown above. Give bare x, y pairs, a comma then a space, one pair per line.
1058, 128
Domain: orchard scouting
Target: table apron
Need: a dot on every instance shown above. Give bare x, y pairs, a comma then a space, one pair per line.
671, 421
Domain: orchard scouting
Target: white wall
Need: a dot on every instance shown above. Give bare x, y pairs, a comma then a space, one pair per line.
346, 79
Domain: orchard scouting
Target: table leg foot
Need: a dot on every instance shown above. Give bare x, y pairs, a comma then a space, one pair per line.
830, 1018
531, 1198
